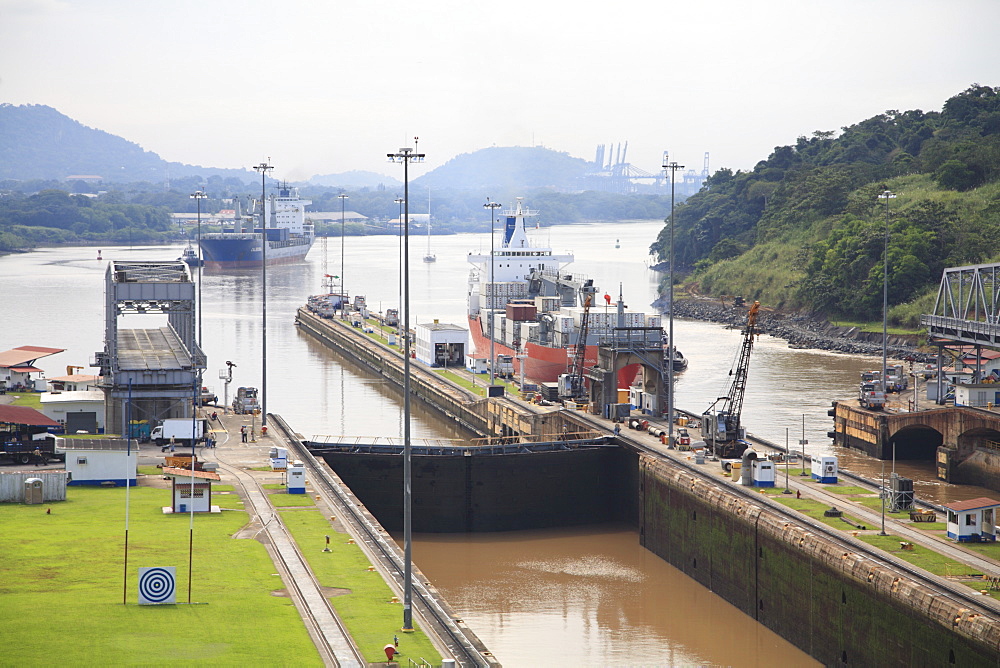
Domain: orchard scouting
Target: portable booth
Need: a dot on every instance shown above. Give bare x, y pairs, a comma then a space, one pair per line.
824, 470
297, 478
973, 520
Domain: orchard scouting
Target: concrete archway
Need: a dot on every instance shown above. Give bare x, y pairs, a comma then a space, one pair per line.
916, 442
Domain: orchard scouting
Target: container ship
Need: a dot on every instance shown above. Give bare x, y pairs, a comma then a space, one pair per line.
288, 233
522, 297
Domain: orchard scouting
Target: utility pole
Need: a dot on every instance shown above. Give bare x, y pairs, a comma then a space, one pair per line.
263, 168
407, 155
672, 167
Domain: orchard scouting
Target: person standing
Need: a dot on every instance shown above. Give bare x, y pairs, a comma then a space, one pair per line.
39, 460
243, 433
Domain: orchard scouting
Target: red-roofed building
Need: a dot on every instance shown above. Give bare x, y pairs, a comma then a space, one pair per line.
973, 520
192, 490
16, 365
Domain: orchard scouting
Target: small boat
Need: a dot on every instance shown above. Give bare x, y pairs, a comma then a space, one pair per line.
617, 243
190, 256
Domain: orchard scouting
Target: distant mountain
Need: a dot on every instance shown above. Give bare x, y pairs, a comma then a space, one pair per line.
38, 142
509, 169
355, 180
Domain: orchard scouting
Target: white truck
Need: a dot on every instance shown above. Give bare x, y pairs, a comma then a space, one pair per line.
504, 367
180, 429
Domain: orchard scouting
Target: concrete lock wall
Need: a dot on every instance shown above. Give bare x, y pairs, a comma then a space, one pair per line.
840, 607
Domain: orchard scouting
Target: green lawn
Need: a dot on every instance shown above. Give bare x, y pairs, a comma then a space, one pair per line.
847, 489
367, 610
919, 556
29, 399
63, 572
815, 509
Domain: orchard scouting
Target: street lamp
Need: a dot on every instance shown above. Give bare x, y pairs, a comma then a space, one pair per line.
343, 310
406, 156
399, 201
197, 196
673, 167
886, 195
263, 168
492, 206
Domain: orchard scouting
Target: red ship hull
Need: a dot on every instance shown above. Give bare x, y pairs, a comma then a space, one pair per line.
543, 364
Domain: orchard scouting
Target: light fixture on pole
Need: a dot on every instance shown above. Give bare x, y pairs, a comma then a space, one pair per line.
672, 167
399, 201
263, 168
197, 196
343, 292
886, 195
491, 294
406, 156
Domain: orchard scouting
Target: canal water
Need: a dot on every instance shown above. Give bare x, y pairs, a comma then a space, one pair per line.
581, 596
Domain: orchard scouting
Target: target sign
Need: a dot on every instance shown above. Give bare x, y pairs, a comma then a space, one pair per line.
157, 585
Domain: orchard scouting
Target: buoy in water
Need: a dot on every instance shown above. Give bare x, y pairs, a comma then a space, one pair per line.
98, 255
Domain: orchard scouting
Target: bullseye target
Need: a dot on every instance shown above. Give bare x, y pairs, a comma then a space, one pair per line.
157, 585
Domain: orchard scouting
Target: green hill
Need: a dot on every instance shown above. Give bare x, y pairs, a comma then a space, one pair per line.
38, 142
805, 228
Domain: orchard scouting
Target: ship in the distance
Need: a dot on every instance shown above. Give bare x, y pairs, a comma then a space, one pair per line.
538, 310
289, 234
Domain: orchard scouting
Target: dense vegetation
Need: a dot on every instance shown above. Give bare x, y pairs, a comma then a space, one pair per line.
806, 227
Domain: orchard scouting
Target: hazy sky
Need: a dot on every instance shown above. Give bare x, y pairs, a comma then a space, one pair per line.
324, 87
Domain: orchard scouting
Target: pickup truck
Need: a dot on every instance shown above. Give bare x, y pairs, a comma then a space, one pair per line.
208, 396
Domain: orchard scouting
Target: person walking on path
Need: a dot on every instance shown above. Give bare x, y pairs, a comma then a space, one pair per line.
243, 433
618, 429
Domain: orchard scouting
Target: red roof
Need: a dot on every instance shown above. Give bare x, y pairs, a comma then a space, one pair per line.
187, 473
23, 354
24, 415
25, 369
971, 504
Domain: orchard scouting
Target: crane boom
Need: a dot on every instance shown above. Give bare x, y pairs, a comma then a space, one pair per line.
722, 427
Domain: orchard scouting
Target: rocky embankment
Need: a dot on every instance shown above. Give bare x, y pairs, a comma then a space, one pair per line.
800, 330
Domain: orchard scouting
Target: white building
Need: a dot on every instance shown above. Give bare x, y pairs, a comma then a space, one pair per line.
981, 395
973, 520
99, 461
192, 490
82, 410
441, 344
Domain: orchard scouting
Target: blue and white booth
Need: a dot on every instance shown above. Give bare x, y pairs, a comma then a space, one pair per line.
824, 469
973, 520
756, 470
279, 459
297, 478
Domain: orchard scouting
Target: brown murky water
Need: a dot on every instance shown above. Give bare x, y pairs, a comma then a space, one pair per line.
584, 597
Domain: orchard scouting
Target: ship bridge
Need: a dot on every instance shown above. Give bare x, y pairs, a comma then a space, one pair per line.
158, 368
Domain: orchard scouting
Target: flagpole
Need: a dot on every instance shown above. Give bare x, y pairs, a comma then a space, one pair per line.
128, 487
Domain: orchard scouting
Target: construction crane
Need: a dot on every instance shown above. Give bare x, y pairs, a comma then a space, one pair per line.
721, 421
572, 382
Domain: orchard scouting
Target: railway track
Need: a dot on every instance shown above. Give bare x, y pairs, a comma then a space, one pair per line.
461, 643
334, 644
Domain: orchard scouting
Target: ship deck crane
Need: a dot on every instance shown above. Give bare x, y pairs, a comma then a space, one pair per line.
721, 426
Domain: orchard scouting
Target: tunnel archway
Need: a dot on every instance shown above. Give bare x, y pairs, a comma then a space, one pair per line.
916, 442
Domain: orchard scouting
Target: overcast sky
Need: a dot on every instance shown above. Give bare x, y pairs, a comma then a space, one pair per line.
323, 87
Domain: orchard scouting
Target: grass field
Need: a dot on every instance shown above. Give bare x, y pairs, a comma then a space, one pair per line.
69, 563
61, 587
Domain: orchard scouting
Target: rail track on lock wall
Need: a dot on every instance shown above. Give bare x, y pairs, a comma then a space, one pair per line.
333, 642
985, 605
382, 550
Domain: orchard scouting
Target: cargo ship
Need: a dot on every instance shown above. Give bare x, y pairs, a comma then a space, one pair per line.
522, 297
289, 234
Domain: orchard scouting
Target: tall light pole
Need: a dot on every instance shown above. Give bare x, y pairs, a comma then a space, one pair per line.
886, 195
672, 167
406, 156
197, 196
343, 229
491, 297
263, 168
399, 201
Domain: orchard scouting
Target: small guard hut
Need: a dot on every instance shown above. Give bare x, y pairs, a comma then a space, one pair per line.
100, 461
973, 520
188, 498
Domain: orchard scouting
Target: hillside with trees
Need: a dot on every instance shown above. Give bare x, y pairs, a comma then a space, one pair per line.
805, 228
